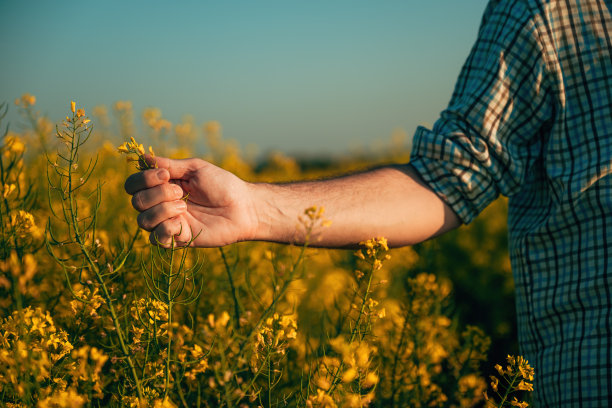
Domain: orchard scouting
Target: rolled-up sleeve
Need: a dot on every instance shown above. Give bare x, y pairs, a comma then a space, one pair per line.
493, 128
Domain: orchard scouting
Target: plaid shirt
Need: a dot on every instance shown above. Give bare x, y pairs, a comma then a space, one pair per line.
531, 118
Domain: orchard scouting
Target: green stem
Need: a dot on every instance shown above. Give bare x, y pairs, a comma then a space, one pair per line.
14, 281
281, 293
269, 384
233, 289
336, 378
221, 379
508, 390
396, 360
169, 303
365, 298
82, 246
181, 395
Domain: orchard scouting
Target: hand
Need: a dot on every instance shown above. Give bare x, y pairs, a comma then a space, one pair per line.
218, 209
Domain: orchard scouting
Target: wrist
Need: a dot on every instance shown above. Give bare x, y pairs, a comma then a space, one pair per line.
273, 220
260, 211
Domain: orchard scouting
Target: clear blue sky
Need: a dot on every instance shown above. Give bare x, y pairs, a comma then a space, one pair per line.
307, 76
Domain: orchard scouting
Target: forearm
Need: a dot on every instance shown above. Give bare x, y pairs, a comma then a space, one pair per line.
391, 202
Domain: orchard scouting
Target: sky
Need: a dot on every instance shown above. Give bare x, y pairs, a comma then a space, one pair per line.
301, 77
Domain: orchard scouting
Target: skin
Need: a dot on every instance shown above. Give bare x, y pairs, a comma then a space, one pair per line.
220, 209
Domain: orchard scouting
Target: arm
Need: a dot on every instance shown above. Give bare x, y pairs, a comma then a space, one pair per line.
221, 209
390, 202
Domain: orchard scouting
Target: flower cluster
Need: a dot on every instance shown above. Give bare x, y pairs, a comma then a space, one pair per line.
374, 251
152, 117
277, 331
21, 270
346, 376
78, 115
88, 367
310, 224
32, 349
136, 153
24, 224
516, 377
26, 100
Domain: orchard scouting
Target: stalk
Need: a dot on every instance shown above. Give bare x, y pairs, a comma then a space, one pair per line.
336, 379
509, 389
170, 305
233, 289
70, 213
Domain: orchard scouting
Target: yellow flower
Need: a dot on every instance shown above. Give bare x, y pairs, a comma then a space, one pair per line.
323, 383
29, 270
370, 380
68, 398
23, 224
212, 127
517, 403
524, 386
72, 106
374, 251
382, 242
223, 319
134, 148
349, 375
363, 355
14, 144
525, 369
8, 189
494, 383
26, 100
165, 403
122, 106
123, 148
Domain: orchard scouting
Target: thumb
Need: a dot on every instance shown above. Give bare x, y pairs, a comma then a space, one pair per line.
178, 169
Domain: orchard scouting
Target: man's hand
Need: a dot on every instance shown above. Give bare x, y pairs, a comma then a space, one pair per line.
217, 211
221, 209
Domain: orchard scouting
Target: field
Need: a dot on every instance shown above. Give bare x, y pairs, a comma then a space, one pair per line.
93, 315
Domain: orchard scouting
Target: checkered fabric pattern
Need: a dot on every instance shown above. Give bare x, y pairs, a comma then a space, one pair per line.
531, 118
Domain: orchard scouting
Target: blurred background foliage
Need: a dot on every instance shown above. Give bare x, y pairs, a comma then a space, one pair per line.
273, 326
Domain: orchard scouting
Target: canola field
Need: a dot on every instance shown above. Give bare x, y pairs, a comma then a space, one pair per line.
93, 315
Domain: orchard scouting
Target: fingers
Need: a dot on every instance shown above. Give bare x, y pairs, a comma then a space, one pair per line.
149, 161
169, 231
146, 179
151, 218
144, 199
178, 169
167, 169
158, 199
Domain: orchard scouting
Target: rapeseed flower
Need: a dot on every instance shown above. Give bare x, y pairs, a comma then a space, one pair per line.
135, 153
516, 377
26, 100
8, 190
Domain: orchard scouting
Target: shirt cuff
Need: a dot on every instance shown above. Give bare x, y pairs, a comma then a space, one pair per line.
454, 176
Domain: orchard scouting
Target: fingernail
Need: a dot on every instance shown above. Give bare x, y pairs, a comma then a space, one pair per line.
162, 174
180, 205
178, 191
